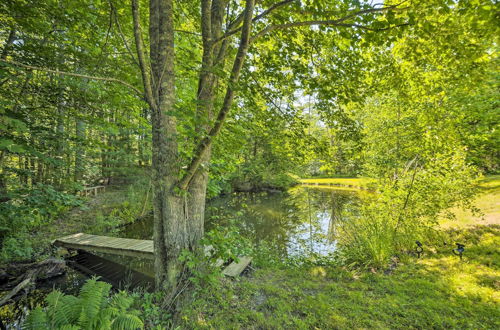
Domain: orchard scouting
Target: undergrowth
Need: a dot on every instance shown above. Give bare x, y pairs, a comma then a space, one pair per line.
33, 218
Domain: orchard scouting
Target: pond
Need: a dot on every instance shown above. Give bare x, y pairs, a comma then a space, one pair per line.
301, 221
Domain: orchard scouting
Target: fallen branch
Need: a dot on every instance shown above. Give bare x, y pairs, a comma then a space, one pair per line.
23, 284
30, 274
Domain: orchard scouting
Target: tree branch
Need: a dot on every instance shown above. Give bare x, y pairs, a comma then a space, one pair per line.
256, 18
146, 80
122, 35
71, 74
270, 9
188, 32
206, 142
334, 22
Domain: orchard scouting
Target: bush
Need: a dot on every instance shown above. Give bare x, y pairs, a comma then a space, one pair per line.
27, 211
405, 209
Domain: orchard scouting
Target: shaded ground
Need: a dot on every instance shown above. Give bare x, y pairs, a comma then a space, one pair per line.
118, 205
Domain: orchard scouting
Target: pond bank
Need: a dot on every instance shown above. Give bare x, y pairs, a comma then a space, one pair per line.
105, 213
358, 183
436, 291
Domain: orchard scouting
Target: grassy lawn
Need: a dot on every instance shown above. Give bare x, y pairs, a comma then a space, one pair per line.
487, 201
436, 291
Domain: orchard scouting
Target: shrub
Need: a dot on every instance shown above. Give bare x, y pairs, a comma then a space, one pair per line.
26, 211
405, 209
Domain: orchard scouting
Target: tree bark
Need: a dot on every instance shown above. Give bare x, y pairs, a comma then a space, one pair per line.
170, 223
179, 207
80, 150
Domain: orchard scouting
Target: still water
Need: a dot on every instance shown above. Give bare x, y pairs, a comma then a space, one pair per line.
301, 221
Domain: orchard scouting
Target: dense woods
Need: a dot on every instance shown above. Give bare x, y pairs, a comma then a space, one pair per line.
175, 104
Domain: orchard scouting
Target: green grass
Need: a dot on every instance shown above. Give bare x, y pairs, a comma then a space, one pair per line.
437, 291
487, 201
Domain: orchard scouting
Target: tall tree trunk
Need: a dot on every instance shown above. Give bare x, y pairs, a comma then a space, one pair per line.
170, 222
3, 181
179, 203
60, 143
80, 150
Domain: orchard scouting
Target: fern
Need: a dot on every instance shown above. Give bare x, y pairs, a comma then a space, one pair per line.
61, 309
93, 295
127, 321
36, 320
92, 309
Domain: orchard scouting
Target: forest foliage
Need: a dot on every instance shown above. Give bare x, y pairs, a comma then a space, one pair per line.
405, 93
407, 96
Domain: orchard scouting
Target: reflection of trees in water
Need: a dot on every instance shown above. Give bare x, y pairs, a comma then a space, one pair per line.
302, 216
265, 217
339, 206
302, 219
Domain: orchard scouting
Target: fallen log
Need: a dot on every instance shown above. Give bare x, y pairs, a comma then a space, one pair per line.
27, 274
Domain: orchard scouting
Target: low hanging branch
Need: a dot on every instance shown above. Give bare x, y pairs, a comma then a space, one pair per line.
332, 22
205, 143
71, 74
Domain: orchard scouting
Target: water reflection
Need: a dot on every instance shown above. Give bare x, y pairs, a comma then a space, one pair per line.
300, 221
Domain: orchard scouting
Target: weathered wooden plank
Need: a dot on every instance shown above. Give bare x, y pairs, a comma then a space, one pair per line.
136, 248
112, 245
236, 268
218, 263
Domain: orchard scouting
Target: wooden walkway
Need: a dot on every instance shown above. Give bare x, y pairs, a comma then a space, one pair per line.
92, 190
133, 248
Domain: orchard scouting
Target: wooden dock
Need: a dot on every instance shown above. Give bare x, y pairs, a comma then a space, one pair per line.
113, 245
133, 248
